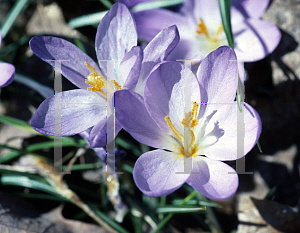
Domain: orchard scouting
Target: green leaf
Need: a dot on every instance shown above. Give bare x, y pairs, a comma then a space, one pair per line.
181, 209
79, 44
225, 6
195, 202
106, 3
39, 196
26, 182
155, 4
271, 193
12, 15
128, 146
87, 20
107, 219
225, 16
95, 18
86, 166
16, 123
170, 215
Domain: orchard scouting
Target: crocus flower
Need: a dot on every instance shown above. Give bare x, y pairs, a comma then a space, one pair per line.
7, 71
201, 31
204, 135
127, 68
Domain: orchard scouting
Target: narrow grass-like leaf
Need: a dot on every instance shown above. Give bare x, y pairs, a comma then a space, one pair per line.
155, 4
225, 16
225, 6
108, 220
95, 18
41, 89
87, 20
181, 209
39, 196
170, 215
12, 15
271, 193
106, 3
16, 123
86, 166
137, 223
26, 182
195, 202
79, 44
126, 167
128, 146
10, 156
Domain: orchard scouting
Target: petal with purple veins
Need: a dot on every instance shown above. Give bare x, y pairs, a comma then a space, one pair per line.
135, 119
155, 173
220, 139
155, 52
130, 68
81, 109
213, 179
116, 35
255, 39
49, 49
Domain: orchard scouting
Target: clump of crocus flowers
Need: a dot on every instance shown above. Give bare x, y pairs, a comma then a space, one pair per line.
190, 118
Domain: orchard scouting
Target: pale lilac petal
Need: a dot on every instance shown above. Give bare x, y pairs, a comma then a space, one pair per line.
158, 91
116, 35
7, 73
185, 92
49, 49
135, 119
131, 3
165, 94
149, 23
220, 140
155, 173
130, 68
81, 109
218, 76
187, 49
213, 180
208, 11
255, 39
249, 8
99, 136
155, 52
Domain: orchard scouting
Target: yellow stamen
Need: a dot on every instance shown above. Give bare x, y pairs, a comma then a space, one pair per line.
220, 29
97, 82
175, 131
202, 29
117, 85
189, 121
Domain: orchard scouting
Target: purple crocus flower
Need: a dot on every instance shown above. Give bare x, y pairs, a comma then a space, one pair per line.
127, 68
201, 30
204, 135
7, 72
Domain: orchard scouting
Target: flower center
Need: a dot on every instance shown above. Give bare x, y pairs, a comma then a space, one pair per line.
97, 82
212, 41
187, 141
